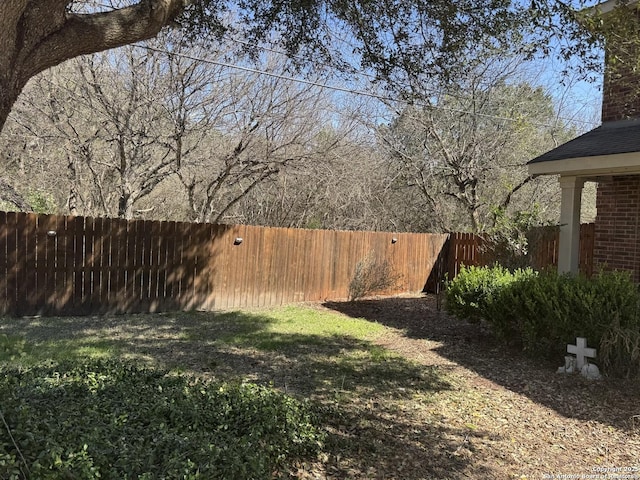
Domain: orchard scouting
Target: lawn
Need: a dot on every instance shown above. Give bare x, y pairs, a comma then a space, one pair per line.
389, 388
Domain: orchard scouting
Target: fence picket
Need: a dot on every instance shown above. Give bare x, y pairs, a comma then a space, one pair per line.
79, 264
131, 290
38, 294
90, 280
94, 253
4, 265
26, 251
108, 248
47, 275
118, 299
144, 268
14, 264
169, 232
155, 257
65, 272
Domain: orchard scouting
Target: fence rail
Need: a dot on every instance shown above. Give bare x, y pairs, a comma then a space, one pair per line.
52, 264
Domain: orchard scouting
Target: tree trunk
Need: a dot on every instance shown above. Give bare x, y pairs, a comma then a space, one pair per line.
38, 34
72, 174
125, 206
7, 99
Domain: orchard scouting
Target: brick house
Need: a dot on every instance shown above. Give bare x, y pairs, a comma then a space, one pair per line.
610, 156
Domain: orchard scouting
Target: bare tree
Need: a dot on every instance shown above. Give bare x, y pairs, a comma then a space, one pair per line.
268, 126
138, 117
463, 153
128, 120
344, 191
108, 112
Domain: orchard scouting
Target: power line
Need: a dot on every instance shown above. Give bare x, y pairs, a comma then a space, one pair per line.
368, 75
267, 74
342, 89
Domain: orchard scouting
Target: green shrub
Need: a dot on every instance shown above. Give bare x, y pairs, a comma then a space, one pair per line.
548, 311
111, 420
472, 292
542, 313
41, 202
552, 310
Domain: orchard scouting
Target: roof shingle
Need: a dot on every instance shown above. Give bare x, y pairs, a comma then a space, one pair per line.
608, 139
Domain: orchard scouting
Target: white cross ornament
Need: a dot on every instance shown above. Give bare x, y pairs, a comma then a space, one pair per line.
581, 351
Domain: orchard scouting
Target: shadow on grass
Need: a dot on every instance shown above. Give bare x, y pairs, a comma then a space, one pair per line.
151, 337
229, 344
363, 388
473, 347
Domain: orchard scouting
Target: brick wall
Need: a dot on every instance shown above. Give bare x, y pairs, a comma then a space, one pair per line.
617, 226
621, 87
620, 98
620, 94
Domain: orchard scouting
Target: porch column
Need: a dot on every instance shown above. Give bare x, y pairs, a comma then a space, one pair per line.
569, 248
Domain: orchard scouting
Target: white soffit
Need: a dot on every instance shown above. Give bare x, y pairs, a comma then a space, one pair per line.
617, 164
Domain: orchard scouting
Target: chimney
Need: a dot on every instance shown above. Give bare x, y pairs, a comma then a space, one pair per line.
621, 88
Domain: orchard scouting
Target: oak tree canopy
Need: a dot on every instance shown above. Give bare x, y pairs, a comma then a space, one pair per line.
400, 41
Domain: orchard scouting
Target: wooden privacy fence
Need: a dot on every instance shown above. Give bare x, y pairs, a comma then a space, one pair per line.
469, 249
52, 264
544, 248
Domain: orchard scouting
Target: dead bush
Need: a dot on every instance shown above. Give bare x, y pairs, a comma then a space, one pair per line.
372, 275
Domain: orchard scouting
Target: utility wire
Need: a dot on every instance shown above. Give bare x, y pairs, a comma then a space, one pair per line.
382, 98
266, 73
351, 91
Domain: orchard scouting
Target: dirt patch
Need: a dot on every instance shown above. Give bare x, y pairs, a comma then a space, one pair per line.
511, 416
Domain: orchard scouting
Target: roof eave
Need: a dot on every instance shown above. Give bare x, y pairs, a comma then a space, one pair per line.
617, 164
608, 6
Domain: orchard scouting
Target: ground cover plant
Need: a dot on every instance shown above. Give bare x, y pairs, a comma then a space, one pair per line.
111, 419
390, 388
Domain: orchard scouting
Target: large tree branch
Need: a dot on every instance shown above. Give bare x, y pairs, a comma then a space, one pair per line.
9, 194
82, 34
38, 34
505, 203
